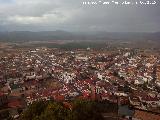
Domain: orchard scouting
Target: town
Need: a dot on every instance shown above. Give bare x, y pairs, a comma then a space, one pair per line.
123, 76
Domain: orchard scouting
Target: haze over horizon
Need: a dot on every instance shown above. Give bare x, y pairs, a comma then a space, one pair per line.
51, 15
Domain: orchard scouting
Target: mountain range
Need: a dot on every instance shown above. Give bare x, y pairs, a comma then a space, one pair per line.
24, 36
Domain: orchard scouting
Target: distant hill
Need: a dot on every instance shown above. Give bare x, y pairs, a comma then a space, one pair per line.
24, 36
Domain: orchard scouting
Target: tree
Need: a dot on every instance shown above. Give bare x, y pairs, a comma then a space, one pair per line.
85, 110
144, 86
82, 110
34, 110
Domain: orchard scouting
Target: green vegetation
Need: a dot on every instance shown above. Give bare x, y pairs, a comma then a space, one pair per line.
66, 46
77, 110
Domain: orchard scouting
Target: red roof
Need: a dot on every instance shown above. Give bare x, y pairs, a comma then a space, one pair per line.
149, 98
1, 94
15, 104
59, 97
86, 94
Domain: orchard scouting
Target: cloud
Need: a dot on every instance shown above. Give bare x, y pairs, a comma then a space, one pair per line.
72, 15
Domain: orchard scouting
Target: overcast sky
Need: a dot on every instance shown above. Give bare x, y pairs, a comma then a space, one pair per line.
72, 15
